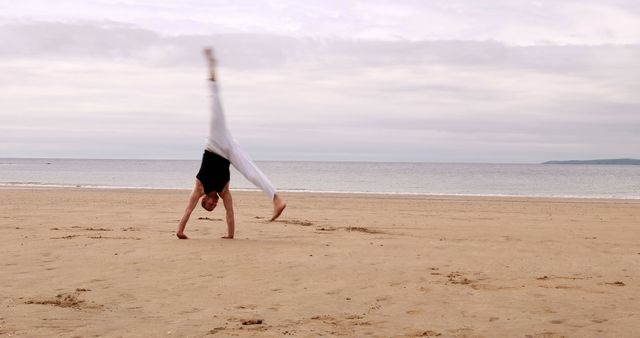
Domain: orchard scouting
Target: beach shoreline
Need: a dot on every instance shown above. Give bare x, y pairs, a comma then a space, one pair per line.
83, 262
363, 194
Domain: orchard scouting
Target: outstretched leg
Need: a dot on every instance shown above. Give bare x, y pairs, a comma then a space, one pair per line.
221, 142
243, 163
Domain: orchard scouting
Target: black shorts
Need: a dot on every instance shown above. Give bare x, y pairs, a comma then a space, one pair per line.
214, 172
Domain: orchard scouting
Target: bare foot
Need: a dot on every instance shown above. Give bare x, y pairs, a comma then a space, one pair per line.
227, 237
278, 207
182, 236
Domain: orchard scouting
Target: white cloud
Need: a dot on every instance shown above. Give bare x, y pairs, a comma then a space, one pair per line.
512, 22
69, 87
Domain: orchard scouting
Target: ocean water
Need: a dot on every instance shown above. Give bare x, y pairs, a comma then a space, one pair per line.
588, 181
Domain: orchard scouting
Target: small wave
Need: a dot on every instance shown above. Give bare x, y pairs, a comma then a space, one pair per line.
309, 191
82, 186
41, 185
438, 194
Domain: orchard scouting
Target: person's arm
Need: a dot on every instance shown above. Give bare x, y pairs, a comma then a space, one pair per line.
197, 192
211, 62
228, 206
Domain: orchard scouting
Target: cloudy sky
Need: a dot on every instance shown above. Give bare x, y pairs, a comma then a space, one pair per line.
402, 80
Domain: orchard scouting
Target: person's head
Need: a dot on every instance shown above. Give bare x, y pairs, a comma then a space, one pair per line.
209, 201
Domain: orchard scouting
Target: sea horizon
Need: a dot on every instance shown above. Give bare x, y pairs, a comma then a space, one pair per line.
356, 177
262, 160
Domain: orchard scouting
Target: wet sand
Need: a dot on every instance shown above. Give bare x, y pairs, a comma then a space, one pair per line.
89, 262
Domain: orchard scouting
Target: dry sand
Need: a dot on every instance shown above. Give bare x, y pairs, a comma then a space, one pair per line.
106, 263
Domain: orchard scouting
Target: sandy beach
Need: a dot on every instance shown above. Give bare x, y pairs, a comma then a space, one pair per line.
90, 262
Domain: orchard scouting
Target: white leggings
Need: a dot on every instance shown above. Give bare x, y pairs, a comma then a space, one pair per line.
222, 143
243, 163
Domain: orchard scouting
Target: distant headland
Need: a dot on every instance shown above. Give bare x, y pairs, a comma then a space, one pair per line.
617, 161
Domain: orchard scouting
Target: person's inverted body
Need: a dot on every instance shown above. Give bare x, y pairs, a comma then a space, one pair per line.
221, 150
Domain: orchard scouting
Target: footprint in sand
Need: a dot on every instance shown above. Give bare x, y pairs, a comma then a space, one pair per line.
363, 229
347, 319
458, 278
427, 333
325, 229
216, 330
304, 223
398, 283
575, 277
545, 335
414, 312
66, 300
324, 318
378, 304
114, 237
275, 308
210, 219
333, 292
65, 237
191, 310
561, 286
353, 316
